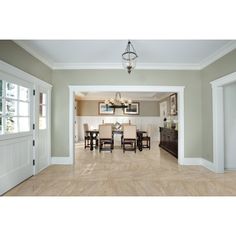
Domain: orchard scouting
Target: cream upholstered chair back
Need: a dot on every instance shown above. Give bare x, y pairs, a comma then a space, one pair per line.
86, 128
105, 131
130, 132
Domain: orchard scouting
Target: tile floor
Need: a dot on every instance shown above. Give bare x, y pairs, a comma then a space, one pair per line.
148, 173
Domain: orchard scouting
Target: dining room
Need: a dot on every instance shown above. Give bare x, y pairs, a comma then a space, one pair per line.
131, 121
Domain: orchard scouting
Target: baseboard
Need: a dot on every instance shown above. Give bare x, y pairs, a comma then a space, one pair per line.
61, 161
200, 162
207, 164
192, 161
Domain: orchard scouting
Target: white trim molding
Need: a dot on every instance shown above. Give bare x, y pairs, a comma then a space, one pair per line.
230, 46
218, 119
34, 53
11, 70
192, 161
199, 161
218, 54
140, 66
208, 164
61, 161
124, 88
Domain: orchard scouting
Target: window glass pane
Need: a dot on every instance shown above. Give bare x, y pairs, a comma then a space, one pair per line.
0, 106
24, 124
42, 98
1, 87
42, 110
11, 90
1, 119
42, 123
23, 109
11, 108
11, 125
24, 94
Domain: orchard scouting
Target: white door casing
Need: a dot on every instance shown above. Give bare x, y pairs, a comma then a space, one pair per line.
124, 88
76, 123
218, 120
230, 126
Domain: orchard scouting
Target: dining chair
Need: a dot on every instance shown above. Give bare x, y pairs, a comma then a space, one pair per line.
122, 135
129, 138
112, 126
146, 138
105, 138
86, 136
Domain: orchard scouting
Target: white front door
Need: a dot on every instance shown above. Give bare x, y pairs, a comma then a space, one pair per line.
42, 128
16, 134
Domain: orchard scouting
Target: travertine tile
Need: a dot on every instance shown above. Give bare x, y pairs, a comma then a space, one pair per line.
148, 173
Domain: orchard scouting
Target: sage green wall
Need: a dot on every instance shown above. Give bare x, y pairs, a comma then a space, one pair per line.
221, 67
60, 100
198, 96
16, 56
90, 108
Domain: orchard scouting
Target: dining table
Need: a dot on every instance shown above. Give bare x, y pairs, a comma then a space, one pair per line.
93, 134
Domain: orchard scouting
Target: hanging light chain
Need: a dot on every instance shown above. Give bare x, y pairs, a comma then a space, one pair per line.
129, 57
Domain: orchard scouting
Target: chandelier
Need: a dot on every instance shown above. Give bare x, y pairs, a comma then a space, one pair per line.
118, 102
129, 57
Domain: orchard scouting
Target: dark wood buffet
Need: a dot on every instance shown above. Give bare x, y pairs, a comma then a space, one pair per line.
169, 140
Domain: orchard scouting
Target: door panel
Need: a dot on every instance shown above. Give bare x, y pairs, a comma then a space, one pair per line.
43, 129
16, 163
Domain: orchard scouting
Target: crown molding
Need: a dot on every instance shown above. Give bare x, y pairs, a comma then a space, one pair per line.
34, 53
118, 66
140, 66
230, 46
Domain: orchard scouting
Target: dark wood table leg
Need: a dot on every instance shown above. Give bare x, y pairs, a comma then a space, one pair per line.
91, 142
96, 141
140, 146
140, 137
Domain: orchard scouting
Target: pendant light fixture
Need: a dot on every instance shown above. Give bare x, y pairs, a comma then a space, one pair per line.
129, 57
118, 102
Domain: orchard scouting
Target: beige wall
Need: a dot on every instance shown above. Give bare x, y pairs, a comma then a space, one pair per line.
167, 99
90, 108
12, 54
60, 100
221, 67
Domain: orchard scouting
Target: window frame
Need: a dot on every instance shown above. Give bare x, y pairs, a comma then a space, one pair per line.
46, 109
8, 79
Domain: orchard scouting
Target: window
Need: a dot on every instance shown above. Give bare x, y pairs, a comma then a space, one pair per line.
14, 108
42, 111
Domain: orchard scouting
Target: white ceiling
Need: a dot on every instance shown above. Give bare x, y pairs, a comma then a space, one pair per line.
144, 96
106, 54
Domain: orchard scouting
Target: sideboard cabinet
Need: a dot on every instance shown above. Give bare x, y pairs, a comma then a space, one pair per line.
169, 140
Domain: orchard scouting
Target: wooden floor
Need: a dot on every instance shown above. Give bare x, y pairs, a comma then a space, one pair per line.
148, 173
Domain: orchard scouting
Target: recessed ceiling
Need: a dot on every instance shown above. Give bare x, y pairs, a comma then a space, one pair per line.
106, 54
138, 96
